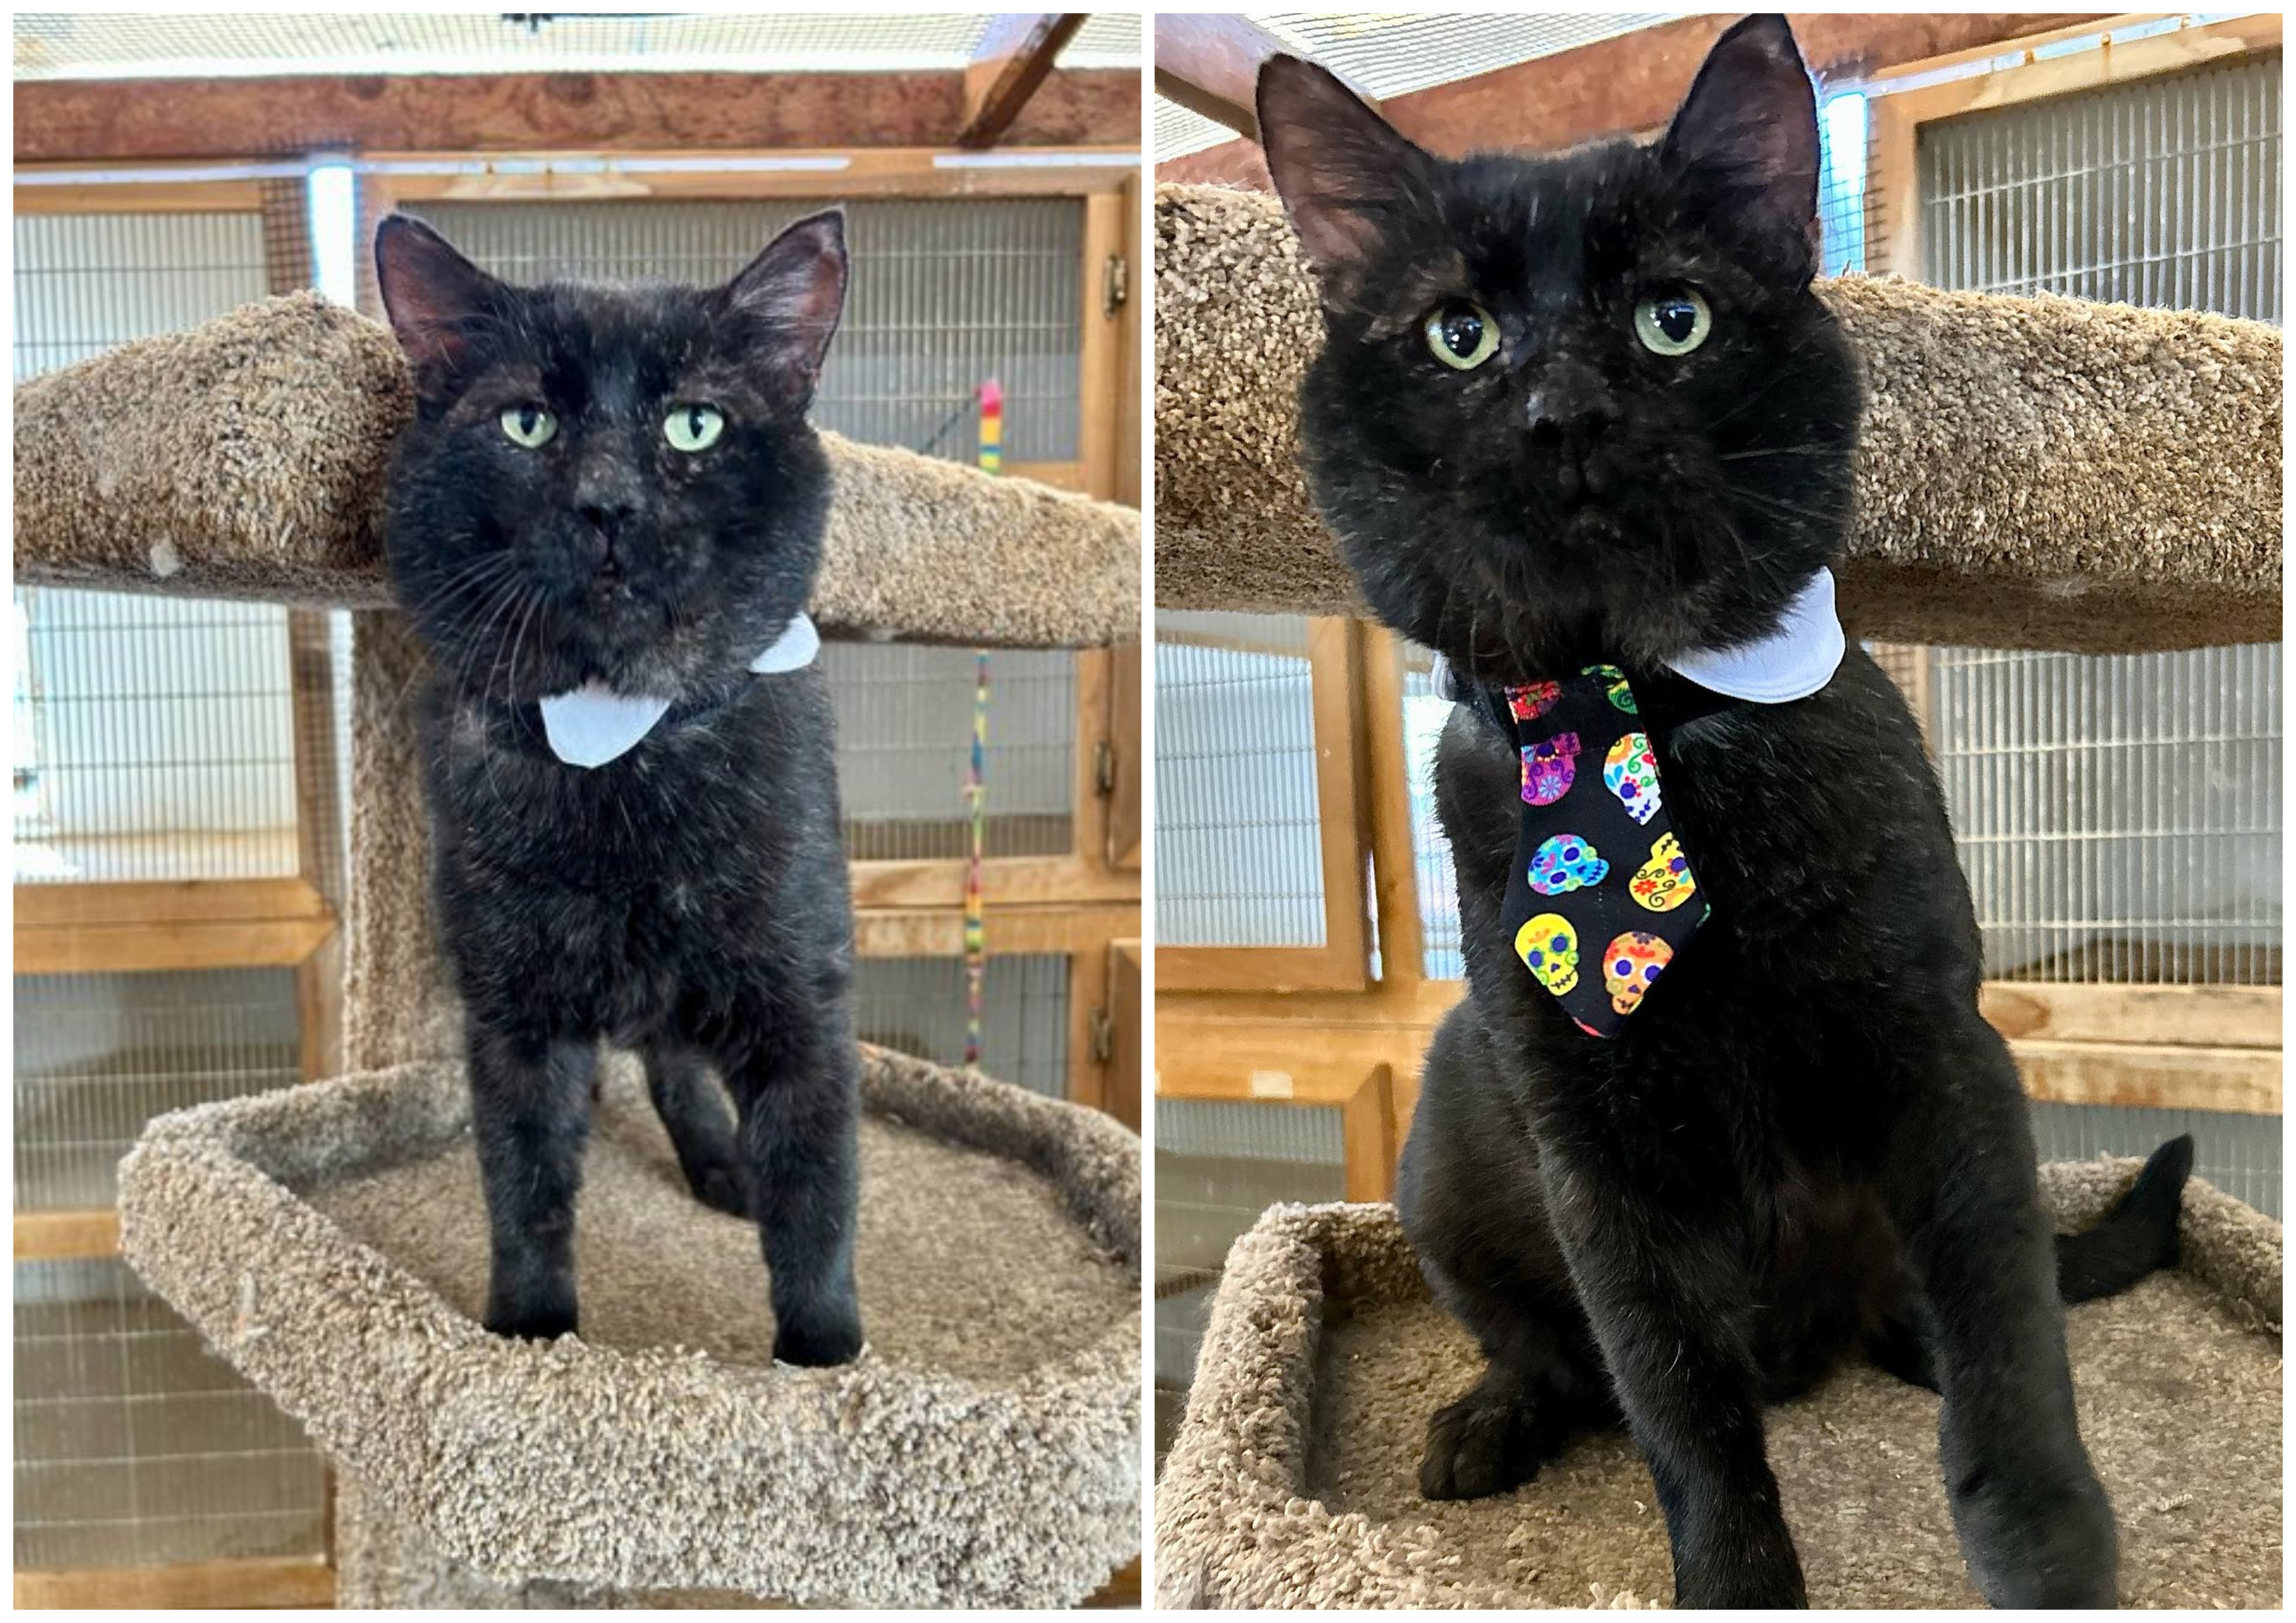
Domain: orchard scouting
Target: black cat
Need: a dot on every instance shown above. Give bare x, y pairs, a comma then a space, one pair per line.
616, 489
1584, 409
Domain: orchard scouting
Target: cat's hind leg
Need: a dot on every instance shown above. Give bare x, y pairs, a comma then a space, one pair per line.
700, 1120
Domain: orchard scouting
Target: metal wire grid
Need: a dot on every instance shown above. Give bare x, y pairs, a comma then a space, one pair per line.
1238, 843
101, 46
161, 740
904, 741
917, 1005
97, 1056
1390, 55
87, 283
1218, 1165
2165, 191
945, 293
136, 1447
2119, 816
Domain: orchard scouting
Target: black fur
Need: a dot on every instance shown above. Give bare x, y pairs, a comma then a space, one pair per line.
1806, 1142
690, 898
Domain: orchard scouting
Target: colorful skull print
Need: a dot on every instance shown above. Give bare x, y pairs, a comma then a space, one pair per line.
1614, 684
1530, 703
1632, 773
1664, 883
1631, 964
1549, 947
1548, 768
1565, 863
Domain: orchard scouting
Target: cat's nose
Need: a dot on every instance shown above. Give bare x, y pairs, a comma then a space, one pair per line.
1557, 417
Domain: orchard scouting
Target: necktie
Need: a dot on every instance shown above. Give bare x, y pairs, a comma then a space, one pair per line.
1601, 898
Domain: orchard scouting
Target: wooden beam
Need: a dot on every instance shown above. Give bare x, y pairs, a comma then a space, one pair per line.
1004, 880
2185, 1016
938, 932
183, 901
1016, 51
2156, 1075
1625, 85
1210, 61
153, 120
56, 1236
122, 948
206, 1585
1121, 1097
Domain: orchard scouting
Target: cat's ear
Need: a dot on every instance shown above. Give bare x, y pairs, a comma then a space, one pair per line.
1341, 169
1748, 130
789, 300
435, 297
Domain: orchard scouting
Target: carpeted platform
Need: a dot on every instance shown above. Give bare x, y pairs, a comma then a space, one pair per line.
2036, 472
245, 458
1293, 1482
331, 1242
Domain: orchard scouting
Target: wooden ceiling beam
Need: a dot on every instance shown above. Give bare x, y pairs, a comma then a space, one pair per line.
1016, 51
1209, 63
1630, 82
155, 120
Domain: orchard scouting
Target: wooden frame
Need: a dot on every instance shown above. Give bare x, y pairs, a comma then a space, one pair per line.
1365, 1101
1893, 178
255, 1581
1335, 661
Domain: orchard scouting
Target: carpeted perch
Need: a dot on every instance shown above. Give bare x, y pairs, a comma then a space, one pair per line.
331, 1240
1293, 1482
327, 1240
245, 458
2038, 473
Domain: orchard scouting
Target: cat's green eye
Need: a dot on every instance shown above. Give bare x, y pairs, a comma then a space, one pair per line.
693, 428
1673, 323
1462, 334
530, 425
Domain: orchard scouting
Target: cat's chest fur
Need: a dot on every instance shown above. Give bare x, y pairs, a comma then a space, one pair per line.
601, 902
1815, 833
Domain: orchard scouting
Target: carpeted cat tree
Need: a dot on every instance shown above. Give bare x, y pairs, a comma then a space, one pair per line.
330, 1240
2036, 473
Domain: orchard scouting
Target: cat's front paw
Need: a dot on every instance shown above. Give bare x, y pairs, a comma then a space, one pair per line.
819, 1341
533, 1323
1485, 1443
2036, 1543
721, 1188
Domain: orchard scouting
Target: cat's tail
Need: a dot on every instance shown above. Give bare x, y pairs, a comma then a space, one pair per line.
2136, 1236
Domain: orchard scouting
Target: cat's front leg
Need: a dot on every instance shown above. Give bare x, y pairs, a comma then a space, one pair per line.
795, 1074
1665, 1293
2034, 1524
530, 1115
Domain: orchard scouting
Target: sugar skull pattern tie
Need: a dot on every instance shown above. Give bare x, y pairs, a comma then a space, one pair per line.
1601, 898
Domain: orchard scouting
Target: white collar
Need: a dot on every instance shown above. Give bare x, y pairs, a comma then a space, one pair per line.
1792, 662
592, 724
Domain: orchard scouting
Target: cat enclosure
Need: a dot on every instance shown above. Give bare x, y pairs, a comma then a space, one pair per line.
2118, 815
181, 766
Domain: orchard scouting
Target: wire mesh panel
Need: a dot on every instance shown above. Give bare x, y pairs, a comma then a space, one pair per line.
2119, 817
944, 294
97, 1056
135, 1446
1218, 1165
1239, 845
155, 739
917, 1005
152, 736
905, 741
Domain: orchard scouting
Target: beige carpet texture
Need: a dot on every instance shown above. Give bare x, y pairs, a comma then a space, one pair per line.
330, 1240
2036, 473
245, 458
1294, 1480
